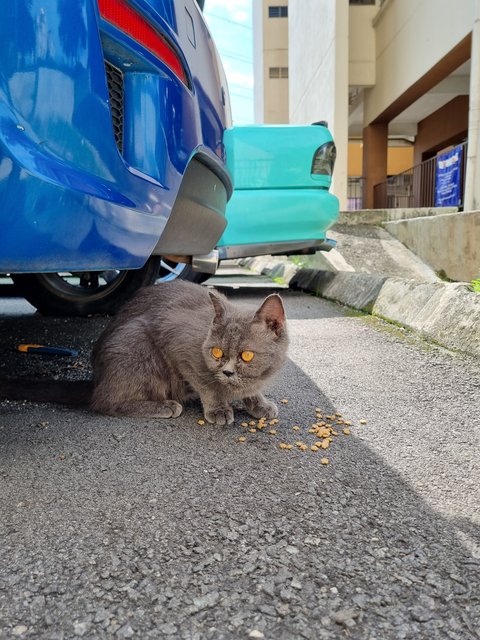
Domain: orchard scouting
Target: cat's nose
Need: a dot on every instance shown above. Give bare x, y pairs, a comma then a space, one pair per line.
228, 373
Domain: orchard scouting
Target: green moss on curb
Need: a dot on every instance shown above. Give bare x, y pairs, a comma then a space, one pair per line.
475, 286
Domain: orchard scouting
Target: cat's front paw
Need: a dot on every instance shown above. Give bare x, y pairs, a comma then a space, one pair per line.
220, 416
174, 407
264, 409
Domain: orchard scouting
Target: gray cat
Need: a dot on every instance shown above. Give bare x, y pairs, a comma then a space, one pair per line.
177, 341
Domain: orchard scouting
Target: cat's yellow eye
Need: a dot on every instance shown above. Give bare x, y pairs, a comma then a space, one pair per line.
217, 353
246, 356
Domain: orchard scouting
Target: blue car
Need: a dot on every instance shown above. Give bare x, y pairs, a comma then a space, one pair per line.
112, 157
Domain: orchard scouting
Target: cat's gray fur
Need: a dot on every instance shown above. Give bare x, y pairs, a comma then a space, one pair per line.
156, 354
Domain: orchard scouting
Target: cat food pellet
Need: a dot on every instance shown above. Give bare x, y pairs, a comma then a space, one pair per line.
201, 422
323, 432
242, 439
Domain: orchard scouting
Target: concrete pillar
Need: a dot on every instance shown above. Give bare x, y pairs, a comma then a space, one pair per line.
472, 174
340, 119
375, 149
318, 82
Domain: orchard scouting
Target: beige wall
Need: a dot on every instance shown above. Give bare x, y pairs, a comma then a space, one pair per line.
412, 36
275, 54
361, 46
275, 107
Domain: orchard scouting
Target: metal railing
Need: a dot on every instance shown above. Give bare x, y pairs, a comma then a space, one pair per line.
414, 187
355, 191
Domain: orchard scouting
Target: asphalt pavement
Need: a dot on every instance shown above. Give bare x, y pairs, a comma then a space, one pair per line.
122, 528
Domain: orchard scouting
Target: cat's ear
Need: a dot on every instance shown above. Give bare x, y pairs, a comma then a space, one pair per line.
218, 306
272, 313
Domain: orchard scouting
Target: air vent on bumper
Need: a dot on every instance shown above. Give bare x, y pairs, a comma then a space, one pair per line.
116, 93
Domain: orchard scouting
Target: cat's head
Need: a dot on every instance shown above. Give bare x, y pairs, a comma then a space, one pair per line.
243, 348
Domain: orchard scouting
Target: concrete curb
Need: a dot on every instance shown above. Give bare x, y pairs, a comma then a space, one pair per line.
377, 217
448, 313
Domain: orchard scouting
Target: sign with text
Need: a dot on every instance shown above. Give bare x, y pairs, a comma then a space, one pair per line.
447, 178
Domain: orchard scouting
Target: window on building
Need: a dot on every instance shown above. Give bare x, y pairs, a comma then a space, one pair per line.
277, 12
277, 72
362, 1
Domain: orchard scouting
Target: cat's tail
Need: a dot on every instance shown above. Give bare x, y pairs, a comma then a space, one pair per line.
76, 393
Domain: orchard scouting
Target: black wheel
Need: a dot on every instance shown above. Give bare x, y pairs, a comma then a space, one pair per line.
84, 293
170, 270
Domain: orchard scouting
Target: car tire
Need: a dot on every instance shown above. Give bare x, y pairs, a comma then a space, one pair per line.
58, 294
170, 270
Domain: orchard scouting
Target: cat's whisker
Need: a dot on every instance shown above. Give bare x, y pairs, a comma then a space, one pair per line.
208, 384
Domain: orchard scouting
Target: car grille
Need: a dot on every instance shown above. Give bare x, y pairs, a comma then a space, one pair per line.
115, 91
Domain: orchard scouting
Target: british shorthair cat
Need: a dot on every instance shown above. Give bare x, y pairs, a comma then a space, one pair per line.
176, 341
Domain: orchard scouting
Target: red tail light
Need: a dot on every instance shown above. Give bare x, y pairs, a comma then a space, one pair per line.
324, 159
120, 14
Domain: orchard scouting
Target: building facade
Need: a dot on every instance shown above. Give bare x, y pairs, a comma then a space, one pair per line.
270, 59
397, 80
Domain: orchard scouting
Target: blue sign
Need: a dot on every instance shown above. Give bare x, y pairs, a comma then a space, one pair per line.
447, 178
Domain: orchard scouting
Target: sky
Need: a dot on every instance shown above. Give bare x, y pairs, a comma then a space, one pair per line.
230, 22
